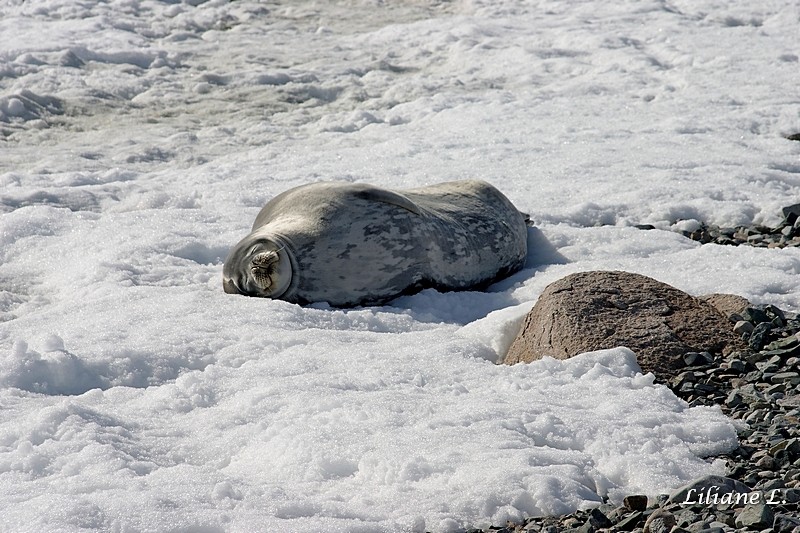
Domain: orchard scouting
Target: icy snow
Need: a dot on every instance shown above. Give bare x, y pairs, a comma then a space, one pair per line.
139, 140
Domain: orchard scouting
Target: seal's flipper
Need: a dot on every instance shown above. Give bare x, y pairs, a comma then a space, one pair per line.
374, 194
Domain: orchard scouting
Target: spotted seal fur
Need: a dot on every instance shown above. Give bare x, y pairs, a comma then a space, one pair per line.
356, 244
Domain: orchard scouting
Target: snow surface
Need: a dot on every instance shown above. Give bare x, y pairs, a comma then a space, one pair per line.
141, 137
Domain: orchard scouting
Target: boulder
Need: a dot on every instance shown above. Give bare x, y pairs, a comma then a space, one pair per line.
595, 310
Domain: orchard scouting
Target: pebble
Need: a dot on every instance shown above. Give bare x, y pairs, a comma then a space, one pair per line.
757, 516
743, 327
635, 502
661, 521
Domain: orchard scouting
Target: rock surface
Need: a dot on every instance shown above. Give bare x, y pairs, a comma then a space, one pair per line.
590, 311
727, 304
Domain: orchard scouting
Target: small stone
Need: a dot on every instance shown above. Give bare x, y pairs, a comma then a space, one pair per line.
785, 523
585, 528
759, 335
687, 377
785, 342
599, 520
661, 521
776, 389
734, 399
698, 358
750, 391
776, 315
755, 516
784, 346
766, 462
769, 485
687, 517
791, 378
793, 448
610, 510
782, 445
737, 365
755, 315
725, 517
630, 522
635, 502
782, 458
755, 357
737, 470
792, 495
791, 213
735, 317
742, 326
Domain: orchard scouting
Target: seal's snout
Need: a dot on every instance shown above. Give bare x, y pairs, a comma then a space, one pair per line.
262, 268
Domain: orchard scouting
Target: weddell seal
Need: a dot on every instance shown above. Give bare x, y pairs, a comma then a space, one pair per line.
356, 244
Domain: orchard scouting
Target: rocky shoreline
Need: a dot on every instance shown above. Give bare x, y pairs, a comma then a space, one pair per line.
761, 491
758, 386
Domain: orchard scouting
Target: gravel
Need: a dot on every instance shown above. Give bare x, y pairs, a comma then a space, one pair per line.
786, 234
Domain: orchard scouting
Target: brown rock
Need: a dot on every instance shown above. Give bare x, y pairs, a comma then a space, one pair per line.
727, 304
595, 310
635, 502
661, 521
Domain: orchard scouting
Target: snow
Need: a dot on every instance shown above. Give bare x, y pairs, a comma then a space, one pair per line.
140, 139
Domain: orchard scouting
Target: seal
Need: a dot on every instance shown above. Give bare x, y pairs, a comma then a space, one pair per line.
356, 244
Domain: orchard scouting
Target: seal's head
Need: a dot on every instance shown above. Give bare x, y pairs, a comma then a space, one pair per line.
257, 267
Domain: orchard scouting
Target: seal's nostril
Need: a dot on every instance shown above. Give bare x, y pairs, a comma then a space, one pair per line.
262, 268
264, 259
262, 276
